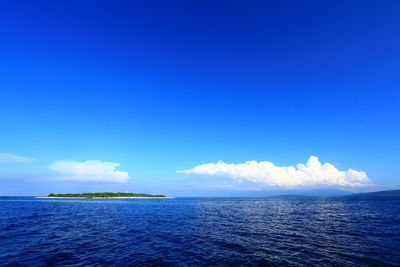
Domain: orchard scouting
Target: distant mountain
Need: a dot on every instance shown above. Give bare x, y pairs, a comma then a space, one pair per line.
313, 192
386, 193
321, 192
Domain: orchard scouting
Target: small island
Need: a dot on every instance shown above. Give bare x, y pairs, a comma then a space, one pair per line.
105, 195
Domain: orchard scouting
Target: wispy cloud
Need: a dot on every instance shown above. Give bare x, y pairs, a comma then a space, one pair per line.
264, 172
11, 158
90, 170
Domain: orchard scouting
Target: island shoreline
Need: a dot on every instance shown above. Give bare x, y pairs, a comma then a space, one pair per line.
106, 197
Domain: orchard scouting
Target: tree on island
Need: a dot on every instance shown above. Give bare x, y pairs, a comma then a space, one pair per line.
104, 194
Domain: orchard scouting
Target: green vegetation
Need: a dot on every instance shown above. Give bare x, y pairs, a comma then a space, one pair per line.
104, 195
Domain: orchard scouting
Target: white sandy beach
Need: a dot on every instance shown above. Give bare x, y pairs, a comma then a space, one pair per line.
108, 197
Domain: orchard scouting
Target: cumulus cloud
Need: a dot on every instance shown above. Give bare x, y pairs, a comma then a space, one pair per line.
11, 158
90, 170
313, 173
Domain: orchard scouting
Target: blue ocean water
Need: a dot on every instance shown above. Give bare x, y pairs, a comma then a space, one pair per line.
280, 231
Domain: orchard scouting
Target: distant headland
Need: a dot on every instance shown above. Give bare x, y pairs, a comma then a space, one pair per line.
386, 193
105, 195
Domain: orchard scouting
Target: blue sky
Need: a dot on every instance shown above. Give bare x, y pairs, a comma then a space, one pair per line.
164, 86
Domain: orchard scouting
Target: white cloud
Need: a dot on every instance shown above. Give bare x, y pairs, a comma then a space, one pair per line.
11, 158
90, 170
310, 174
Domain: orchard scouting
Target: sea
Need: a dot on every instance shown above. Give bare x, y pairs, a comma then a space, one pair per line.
274, 231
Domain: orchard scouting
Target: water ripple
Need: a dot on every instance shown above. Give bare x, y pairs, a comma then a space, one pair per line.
200, 232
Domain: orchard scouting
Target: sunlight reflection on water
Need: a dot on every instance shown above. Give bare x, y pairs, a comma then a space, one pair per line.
200, 231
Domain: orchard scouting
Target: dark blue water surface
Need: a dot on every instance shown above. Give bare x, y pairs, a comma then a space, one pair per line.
200, 232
